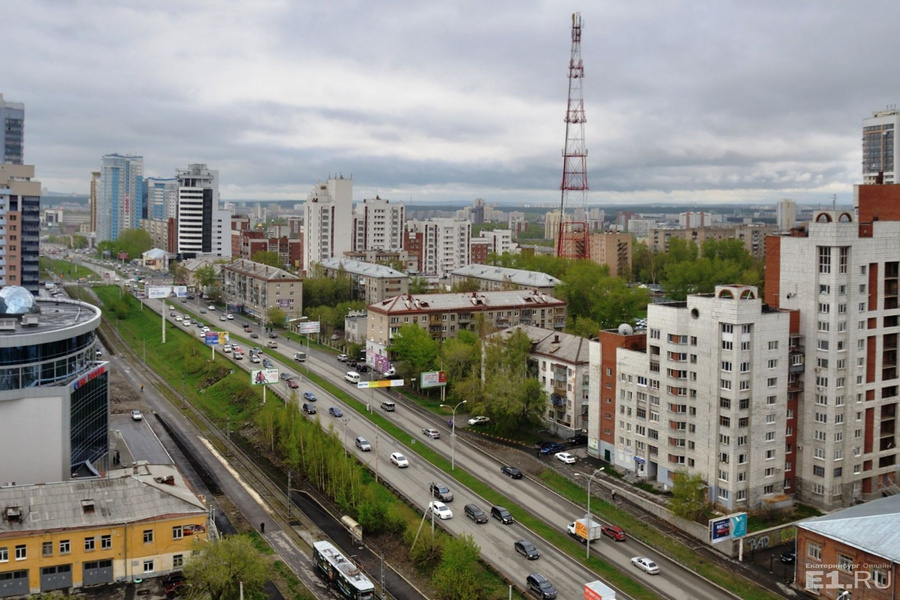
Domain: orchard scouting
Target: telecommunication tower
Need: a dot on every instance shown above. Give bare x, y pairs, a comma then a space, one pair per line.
573, 237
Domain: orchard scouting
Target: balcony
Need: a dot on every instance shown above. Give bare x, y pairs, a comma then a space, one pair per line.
557, 400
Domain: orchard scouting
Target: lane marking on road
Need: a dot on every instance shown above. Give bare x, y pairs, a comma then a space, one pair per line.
250, 491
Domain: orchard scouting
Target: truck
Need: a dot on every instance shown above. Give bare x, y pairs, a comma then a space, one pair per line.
597, 590
299, 356
584, 530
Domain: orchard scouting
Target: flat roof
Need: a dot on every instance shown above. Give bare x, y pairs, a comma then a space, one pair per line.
65, 316
516, 276
466, 301
358, 267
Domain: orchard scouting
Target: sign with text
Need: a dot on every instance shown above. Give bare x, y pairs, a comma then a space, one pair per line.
216, 338
432, 379
738, 525
719, 529
263, 376
380, 384
309, 327
166, 291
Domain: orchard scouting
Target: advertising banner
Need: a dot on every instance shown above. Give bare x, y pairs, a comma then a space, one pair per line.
263, 376
309, 327
166, 291
383, 383
432, 379
719, 529
738, 525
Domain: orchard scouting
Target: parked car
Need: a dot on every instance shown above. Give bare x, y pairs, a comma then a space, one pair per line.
399, 460
432, 433
577, 440
526, 549
789, 557
502, 515
309, 397
479, 420
361, 367
342, 357
363, 444
474, 512
230, 317
551, 447
565, 457
540, 586
309, 409
440, 509
614, 531
136, 415
645, 564
334, 411
511, 472
292, 383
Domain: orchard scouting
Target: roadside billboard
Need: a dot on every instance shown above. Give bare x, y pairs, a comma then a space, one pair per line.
382, 383
719, 529
216, 338
263, 376
432, 379
309, 327
166, 291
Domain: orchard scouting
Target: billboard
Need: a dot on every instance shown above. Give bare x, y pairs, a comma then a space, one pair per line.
719, 529
216, 338
432, 379
309, 327
263, 376
380, 384
166, 291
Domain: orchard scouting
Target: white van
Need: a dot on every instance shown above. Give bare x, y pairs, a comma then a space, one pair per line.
352, 376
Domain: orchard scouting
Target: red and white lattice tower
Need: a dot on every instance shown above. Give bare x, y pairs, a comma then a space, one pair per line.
573, 238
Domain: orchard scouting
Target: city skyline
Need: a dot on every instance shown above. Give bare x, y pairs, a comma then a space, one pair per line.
684, 103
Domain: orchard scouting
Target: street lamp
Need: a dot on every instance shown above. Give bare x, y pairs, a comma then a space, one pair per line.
453, 434
587, 542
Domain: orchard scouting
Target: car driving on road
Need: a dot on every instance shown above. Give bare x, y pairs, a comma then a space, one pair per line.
399, 460
440, 509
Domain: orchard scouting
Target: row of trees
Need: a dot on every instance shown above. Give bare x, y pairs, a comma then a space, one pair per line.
132, 242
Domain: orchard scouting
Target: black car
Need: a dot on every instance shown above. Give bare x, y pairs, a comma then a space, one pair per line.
511, 472
309, 409
577, 440
502, 515
361, 367
789, 557
527, 549
474, 512
538, 585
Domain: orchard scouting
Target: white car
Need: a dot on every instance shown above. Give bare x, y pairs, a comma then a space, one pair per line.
565, 457
226, 348
432, 433
210, 307
230, 317
480, 420
440, 509
254, 358
136, 415
399, 460
646, 565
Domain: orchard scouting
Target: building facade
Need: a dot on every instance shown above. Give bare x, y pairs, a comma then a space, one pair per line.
204, 228
253, 288
752, 236
54, 417
133, 524
370, 282
12, 132
328, 221
614, 251
709, 396
445, 245
880, 152
378, 225
120, 195
20, 227
500, 241
786, 214
161, 198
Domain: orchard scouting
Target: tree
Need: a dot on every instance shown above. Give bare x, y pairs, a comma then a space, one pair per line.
275, 317
79, 242
688, 496
221, 566
419, 285
414, 351
458, 576
273, 259
179, 273
467, 285
133, 242
602, 300
205, 276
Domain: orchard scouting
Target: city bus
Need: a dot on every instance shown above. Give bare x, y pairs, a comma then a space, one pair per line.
343, 575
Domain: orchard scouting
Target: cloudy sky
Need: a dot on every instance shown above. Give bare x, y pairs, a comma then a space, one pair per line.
686, 101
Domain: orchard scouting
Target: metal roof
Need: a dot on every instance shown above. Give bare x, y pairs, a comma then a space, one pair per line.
566, 347
516, 276
873, 527
127, 497
417, 303
358, 267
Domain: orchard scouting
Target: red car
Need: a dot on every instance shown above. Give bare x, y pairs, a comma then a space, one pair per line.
615, 532
293, 384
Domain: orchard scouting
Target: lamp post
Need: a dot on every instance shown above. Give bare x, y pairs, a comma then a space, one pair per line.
587, 542
453, 434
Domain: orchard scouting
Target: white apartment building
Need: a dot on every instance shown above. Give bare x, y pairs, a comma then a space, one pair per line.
841, 273
500, 241
445, 245
378, 225
708, 396
786, 214
881, 153
204, 228
328, 221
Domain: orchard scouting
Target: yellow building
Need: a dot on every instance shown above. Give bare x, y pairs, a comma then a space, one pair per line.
136, 523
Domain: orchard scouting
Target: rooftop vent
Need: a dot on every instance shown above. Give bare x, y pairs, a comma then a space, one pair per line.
87, 505
13, 514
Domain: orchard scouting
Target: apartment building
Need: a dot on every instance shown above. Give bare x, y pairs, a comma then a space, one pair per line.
708, 396
612, 250
444, 245
560, 362
328, 221
370, 282
880, 150
12, 132
136, 523
500, 241
378, 225
20, 226
443, 315
841, 273
491, 278
752, 236
204, 227
119, 195
253, 288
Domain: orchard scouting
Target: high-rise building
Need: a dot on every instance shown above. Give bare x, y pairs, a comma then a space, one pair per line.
12, 132
20, 207
161, 198
445, 244
612, 250
500, 241
120, 195
879, 147
92, 201
204, 228
378, 225
786, 214
328, 221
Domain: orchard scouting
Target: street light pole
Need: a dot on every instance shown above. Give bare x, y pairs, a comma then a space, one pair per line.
587, 542
453, 434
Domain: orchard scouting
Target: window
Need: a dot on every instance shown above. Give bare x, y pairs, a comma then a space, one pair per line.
824, 326
724, 439
819, 471
770, 471
105, 542
819, 453
824, 308
824, 259
88, 544
177, 532
770, 454
726, 384
773, 345
21, 552
64, 547
178, 561
727, 345
148, 566
723, 494
822, 344
723, 458
880, 577
824, 289
148, 536
726, 365
770, 436
742, 459
4, 554
844, 562
770, 400
772, 382
725, 421
770, 418
772, 363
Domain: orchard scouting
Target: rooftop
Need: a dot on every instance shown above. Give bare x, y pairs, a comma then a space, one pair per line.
873, 527
463, 301
358, 267
54, 315
516, 276
563, 346
260, 271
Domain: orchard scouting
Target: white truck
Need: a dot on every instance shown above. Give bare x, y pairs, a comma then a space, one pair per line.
584, 530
